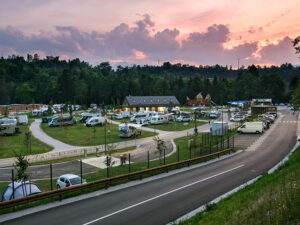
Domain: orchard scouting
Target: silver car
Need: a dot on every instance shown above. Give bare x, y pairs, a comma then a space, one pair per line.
68, 180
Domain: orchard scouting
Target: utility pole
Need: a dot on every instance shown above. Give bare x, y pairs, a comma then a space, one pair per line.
105, 136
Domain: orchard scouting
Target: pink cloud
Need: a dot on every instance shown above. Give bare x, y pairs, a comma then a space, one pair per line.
139, 54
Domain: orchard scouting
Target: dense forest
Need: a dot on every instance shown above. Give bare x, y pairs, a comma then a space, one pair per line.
50, 80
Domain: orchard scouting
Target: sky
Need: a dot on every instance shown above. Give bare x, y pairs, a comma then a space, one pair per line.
126, 32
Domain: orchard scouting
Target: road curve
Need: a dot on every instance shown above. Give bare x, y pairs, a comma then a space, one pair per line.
163, 200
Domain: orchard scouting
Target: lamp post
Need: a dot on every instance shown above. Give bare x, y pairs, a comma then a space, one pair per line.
105, 136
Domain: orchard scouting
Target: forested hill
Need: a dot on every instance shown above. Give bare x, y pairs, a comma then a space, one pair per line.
51, 80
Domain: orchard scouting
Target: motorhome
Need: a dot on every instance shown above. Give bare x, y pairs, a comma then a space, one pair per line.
61, 120
251, 127
8, 121
145, 115
126, 130
95, 121
159, 119
8, 129
86, 116
22, 119
125, 114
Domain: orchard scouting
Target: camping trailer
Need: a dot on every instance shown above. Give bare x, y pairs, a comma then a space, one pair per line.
159, 119
219, 128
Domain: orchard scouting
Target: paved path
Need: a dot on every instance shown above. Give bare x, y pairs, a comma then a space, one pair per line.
38, 133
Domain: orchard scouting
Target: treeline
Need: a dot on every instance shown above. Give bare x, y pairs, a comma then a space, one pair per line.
51, 80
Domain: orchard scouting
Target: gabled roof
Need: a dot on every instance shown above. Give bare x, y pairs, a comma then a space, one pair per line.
149, 101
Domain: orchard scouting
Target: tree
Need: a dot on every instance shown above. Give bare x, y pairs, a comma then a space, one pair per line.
24, 94
296, 97
160, 147
296, 44
21, 166
27, 140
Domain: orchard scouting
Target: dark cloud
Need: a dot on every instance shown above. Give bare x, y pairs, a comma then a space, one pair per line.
138, 44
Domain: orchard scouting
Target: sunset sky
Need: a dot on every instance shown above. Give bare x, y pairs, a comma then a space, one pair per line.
198, 32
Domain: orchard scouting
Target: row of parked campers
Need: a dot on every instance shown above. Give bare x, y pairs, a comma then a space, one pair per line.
8, 127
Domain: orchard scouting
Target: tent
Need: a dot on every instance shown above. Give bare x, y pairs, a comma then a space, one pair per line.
29, 189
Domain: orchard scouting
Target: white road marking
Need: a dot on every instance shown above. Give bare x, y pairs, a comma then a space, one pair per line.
164, 194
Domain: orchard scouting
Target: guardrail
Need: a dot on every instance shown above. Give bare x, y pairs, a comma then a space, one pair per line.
106, 181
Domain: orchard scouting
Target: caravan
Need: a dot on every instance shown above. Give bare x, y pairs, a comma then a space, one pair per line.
159, 119
61, 120
95, 121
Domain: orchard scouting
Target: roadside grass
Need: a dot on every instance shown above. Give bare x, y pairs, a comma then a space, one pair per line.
176, 126
79, 135
80, 157
273, 199
15, 142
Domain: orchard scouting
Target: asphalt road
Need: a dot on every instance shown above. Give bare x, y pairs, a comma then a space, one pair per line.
163, 200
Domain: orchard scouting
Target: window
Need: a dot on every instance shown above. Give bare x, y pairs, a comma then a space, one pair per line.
62, 179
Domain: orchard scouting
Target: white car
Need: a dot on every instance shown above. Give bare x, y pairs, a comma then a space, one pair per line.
184, 118
68, 180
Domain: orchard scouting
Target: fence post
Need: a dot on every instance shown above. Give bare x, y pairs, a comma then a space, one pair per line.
148, 157
13, 182
107, 167
81, 171
178, 153
227, 141
210, 146
190, 151
164, 156
51, 177
233, 141
129, 163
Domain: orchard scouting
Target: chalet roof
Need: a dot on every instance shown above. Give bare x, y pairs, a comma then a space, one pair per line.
150, 101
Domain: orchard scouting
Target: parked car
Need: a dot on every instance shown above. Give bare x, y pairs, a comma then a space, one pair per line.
126, 130
184, 118
69, 180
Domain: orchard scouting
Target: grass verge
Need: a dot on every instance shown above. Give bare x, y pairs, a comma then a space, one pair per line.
273, 199
17, 142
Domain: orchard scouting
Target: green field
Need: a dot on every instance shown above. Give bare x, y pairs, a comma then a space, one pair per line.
273, 199
176, 126
16, 142
79, 135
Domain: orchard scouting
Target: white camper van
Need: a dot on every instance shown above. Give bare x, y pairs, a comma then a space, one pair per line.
159, 119
22, 119
95, 121
251, 127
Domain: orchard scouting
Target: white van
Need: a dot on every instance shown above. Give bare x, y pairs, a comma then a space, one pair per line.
251, 127
159, 119
95, 121
8, 121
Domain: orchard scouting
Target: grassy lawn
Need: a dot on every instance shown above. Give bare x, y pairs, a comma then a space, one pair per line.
121, 121
273, 199
16, 142
80, 135
175, 126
